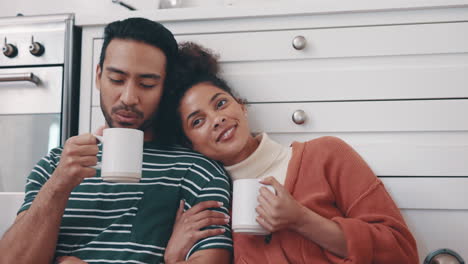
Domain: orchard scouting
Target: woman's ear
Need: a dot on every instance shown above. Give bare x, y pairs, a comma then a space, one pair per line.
244, 109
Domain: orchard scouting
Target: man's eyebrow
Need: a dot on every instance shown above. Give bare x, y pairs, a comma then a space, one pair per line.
112, 69
143, 75
150, 76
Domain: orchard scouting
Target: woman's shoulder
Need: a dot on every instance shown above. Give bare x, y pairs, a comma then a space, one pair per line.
327, 142
327, 146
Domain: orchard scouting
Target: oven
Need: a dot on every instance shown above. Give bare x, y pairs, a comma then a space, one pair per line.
39, 96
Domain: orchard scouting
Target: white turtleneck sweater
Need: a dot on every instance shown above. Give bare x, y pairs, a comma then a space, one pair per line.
269, 159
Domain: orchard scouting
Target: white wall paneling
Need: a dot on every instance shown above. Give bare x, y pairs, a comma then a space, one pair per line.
388, 78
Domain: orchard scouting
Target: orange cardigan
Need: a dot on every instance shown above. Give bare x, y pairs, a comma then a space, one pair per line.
329, 177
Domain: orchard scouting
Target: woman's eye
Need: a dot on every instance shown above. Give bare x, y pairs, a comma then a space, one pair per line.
221, 103
197, 122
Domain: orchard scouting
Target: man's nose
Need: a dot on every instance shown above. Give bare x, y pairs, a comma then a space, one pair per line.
129, 95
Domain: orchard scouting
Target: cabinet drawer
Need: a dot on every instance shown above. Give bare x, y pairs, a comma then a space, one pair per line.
365, 116
354, 63
337, 42
373, 78
396, 138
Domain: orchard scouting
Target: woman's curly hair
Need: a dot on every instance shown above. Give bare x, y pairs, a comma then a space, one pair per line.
195, 65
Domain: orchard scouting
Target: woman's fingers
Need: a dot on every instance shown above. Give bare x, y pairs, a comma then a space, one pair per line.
200, 216
209, 222
203, 206
267, 194
210, 232
180, 211
206, 214
267, 204
265, 224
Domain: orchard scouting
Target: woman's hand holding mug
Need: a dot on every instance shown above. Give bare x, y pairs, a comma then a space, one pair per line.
280, 211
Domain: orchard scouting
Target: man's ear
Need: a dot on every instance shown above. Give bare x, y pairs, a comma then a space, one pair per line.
98, 77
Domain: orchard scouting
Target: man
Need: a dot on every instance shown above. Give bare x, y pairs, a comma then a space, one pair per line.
70, 211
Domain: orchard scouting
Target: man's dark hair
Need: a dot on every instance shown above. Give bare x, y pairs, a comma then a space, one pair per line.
146, 31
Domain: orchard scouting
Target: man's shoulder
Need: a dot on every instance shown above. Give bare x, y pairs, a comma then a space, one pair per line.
176, 154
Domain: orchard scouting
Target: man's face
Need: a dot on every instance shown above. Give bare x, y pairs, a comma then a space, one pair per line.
131, 84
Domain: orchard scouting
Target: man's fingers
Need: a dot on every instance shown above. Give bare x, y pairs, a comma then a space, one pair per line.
77, 152
100, 130
88, 161
88, 172
83, 139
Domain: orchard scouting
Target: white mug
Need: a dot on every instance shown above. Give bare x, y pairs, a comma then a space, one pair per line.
122, 154
244, 202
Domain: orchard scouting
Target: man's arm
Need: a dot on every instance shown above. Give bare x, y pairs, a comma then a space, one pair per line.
210, 256
33, 236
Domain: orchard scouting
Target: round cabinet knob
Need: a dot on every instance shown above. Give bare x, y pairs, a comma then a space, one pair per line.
299, 117
9, 50
36, 48
443, 256
299, 42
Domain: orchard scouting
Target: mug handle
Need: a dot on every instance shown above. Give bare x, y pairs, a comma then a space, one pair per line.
100, 139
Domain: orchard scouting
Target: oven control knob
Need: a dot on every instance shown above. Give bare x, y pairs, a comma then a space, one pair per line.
9, 50
36, 48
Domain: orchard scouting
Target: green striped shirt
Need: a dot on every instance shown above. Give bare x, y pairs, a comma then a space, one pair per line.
108, 222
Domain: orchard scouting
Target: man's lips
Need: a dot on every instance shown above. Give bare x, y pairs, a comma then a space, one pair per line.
126, 116
226, 133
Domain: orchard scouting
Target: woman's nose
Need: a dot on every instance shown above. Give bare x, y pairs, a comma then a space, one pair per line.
219, 122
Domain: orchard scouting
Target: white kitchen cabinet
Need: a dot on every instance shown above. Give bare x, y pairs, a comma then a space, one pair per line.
390, 80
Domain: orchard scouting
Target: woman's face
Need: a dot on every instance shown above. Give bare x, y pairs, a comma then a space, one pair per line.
216, 124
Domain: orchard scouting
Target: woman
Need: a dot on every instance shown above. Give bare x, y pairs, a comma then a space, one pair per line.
329, 207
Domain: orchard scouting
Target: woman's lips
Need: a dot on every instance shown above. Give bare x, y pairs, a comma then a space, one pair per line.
226, 134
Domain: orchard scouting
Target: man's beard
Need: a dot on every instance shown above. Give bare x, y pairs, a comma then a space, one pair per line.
145, 125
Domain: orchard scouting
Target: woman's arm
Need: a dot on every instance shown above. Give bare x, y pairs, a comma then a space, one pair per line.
187, 231
372, 226
282, 211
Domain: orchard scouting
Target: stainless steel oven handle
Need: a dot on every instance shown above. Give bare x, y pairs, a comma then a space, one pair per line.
20, 77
